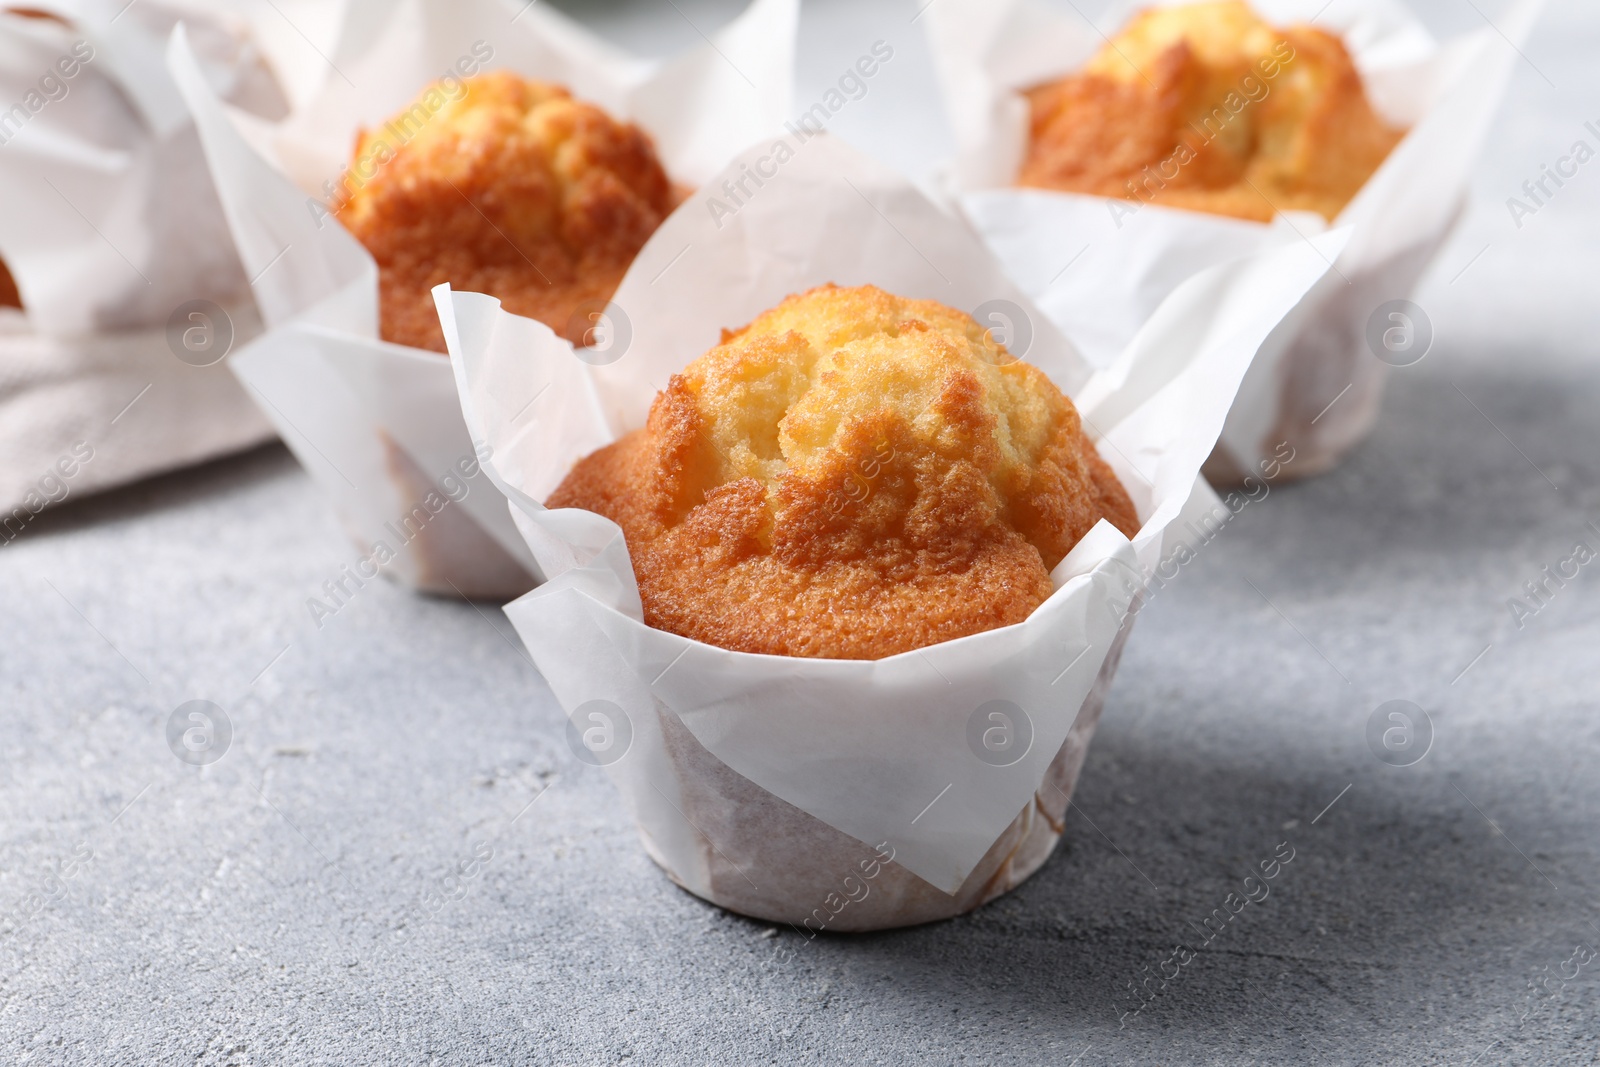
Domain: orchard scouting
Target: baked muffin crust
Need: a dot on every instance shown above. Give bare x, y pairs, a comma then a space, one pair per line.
511, 188
9, 296
1208, 107
852, 475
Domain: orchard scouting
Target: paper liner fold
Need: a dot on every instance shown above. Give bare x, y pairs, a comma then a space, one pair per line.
122, 222
111, 225
1100, 269
763, 857
759, 770
122, 395
376, 424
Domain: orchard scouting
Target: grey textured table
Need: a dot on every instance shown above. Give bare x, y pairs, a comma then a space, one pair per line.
294, 902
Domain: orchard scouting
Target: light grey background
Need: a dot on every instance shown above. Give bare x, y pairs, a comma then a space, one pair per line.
274, 907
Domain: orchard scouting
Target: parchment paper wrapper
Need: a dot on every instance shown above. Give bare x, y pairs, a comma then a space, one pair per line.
377, 424
1099, 270
762, 782
110, 225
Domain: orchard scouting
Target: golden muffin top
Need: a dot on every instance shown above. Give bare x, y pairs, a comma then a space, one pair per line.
852, 475
1208, 107
1220, 33
506, 186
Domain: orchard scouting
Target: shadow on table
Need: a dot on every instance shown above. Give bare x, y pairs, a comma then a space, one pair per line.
1376, 898
162, 492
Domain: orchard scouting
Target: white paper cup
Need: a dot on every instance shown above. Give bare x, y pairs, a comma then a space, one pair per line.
762, 782
377, 424
1099, 269
763, 857
114, 236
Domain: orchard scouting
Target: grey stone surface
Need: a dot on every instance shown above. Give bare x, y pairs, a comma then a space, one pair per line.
293, 902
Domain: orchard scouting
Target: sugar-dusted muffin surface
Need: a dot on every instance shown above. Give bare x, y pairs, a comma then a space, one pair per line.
511, 188
850, 476
1208, 107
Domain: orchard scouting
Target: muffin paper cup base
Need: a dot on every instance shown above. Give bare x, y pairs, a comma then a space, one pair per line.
750, 774
452, 553
822, 734
357, 414
1323, 383
759, 856
1099, 267
378, 425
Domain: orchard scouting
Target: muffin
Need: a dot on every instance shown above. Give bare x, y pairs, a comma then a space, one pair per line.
1208, 107
507, 186
9, 296
852, 475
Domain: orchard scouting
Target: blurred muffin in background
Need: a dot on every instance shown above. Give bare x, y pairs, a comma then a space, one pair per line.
9, 297
502, 185
1208, 107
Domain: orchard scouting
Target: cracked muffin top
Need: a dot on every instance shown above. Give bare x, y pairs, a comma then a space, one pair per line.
502, 185
1210, 108
852, 475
